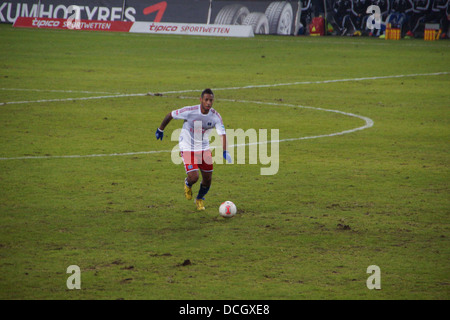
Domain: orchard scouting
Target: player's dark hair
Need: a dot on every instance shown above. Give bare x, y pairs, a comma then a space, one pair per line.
207, 91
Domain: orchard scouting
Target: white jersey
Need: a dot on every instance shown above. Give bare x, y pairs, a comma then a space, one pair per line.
194, 135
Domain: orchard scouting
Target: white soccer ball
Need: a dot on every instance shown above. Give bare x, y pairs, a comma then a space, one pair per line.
227, 209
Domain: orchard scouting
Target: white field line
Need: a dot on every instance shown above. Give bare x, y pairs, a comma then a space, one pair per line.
60, 91
232, 88
331, 81
75, 99
368, 123
85, 156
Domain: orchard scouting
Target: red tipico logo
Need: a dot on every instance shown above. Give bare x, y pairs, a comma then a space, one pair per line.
56, 23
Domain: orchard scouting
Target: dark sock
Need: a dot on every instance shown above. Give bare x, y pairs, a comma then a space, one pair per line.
202, 192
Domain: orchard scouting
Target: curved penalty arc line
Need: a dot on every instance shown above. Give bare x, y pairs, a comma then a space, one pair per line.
368, 123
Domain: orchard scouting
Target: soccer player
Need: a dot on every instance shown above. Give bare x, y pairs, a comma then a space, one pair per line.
199, 120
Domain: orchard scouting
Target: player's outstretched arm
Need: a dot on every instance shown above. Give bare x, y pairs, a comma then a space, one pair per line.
160, 131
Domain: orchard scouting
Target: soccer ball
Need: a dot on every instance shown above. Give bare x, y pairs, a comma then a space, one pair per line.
227, 209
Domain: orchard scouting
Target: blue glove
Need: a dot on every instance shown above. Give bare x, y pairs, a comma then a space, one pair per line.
159, 134
226, 156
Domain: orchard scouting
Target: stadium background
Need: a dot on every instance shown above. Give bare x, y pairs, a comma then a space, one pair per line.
342, 17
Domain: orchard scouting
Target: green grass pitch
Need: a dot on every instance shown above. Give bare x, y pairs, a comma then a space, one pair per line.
337, 205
